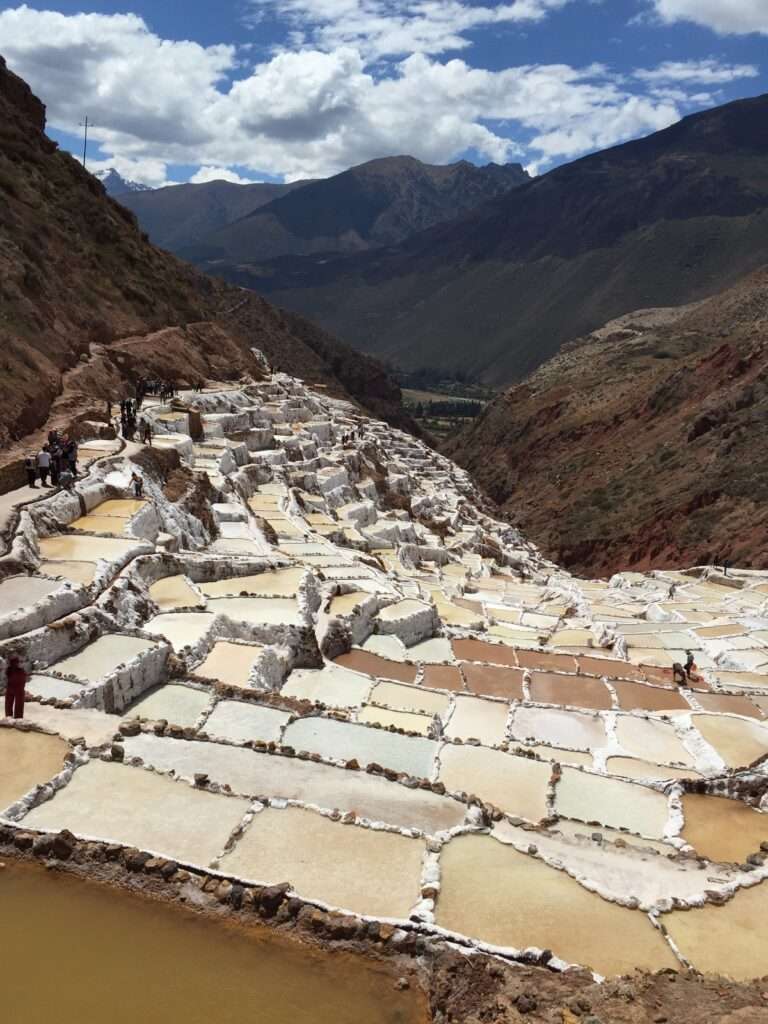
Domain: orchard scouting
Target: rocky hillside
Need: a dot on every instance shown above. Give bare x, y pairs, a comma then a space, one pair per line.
81, 286
497, 292
378, 203
644, 444
179, 216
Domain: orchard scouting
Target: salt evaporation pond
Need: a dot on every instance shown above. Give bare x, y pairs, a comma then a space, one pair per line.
532, 904
517, 785
341, 741
142, 960
358, 869
174, 592
27, 759
612, 802
19, 592
178, 705
229, 663
103, 656
134, 807
722, 829
181, 629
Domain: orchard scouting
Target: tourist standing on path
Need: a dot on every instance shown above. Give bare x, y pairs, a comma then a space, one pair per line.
146, 431
55, 453
30, 465
44, 464
16, 681
138, 485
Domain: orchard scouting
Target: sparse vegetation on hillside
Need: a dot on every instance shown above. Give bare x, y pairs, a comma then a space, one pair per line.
642, 445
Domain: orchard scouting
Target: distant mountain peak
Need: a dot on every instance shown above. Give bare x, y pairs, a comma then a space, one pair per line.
117, 185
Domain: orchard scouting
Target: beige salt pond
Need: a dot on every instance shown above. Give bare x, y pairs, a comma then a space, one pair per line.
635, 768
346, 866
116, 526
132, 806
290, 778
611, 802
346, 741
174, 592
75, 572
517, 785
409, 698
239, 722
221, 972
19, 592
99, 659
280, 583
178, 705
274, 611
738, 741
474, 718
181, 629
653, 740
74, 548
721, 829
229, 663
530, 904
730, 940
27, 759
408, 721
331, 685
570, 729
345, 604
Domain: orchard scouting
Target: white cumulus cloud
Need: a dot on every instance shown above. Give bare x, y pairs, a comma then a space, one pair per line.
317, 110
209, 173
728, 17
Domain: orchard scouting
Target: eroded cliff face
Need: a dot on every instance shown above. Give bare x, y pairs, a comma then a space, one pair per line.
80, 284
642, 445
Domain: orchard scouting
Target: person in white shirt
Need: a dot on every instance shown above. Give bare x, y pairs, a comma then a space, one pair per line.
44, 464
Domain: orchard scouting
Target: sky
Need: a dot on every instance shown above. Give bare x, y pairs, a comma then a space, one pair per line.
280, 90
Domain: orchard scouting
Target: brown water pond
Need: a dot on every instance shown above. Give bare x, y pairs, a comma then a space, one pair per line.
81, 952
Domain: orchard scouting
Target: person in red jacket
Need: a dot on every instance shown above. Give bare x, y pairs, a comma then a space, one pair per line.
16, 680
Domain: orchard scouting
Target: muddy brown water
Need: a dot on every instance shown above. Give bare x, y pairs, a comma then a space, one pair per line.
83, 952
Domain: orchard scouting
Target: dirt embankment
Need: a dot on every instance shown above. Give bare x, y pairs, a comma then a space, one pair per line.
643, 445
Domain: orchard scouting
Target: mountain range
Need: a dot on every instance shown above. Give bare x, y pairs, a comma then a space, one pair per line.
378, 203
661, 220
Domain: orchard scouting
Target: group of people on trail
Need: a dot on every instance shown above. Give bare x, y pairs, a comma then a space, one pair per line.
164, 389
130, 421
57, 459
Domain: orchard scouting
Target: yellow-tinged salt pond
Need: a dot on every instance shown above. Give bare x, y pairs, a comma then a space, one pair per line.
529, 903
103, 948
721, 829
27, 759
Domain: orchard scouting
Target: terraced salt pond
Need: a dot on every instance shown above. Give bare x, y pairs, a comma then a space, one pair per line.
134, 807
358, 869
174, 592
18, 592
229, 662
27, 759
722, 829
181, 629
611, 802
103, 656
179, 705
531, 904
221, 972
517, 785
343, 741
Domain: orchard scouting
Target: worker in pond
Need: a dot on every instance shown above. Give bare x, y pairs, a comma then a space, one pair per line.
15, 683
